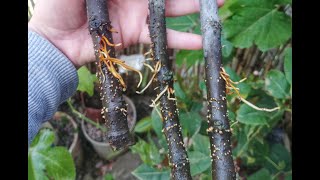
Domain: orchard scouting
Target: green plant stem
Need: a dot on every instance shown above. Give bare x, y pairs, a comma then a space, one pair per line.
278, 173
81, 116
273, 163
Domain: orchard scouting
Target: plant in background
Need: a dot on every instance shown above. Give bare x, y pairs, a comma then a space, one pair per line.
256, 45
46, 161
260, 22
86, 80
257, 49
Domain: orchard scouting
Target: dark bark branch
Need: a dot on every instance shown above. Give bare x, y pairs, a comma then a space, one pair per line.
219, 128
180, 168
114, 107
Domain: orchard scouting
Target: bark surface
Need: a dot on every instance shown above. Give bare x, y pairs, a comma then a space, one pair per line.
219, 128
114, 107
180, 168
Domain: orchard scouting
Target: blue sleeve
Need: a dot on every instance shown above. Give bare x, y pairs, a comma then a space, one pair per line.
52, 79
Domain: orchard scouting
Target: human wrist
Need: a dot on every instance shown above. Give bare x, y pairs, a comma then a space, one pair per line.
36, 29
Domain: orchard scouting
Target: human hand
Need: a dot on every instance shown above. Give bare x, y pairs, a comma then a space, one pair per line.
64, 23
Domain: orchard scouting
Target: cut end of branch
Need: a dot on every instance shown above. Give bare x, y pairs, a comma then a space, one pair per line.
120, 141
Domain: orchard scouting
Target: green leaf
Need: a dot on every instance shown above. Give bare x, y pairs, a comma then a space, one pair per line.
279, 156
277, 85
288, 64
157, 127
242, 142
284, 2
205, 176
41, 143
156, 122
202, 85
224, 11
56, 161
143, 125
259, 22
145, 172
43, 140
250, 116
227, 47
108, 176
197, 30
183, 23
275, 117
35, 171
231, 115
188, 57
258, 149
261, 99
86, 80
204, 127
244, 87
142, 148
190, 122
196, 106
266, 101
179, 93
155, 155
201, 144
255, 3
262, 174
59, 164
147, 151
198, 162
288, 177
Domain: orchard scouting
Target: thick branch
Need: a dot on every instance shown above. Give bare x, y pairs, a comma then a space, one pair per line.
180, 168
219, 128
114, 107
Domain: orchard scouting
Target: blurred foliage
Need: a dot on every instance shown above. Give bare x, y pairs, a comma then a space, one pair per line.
46, 161
259, 154
86, 80
259, 148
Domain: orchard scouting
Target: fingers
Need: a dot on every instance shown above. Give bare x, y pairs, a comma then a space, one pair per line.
183, 7
176, 39
53, 13
183, 40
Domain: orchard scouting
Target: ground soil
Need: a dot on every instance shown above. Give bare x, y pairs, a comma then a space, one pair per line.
64, 131
93, 167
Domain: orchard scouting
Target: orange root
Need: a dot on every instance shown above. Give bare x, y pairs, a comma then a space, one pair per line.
230, 86
110, 62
